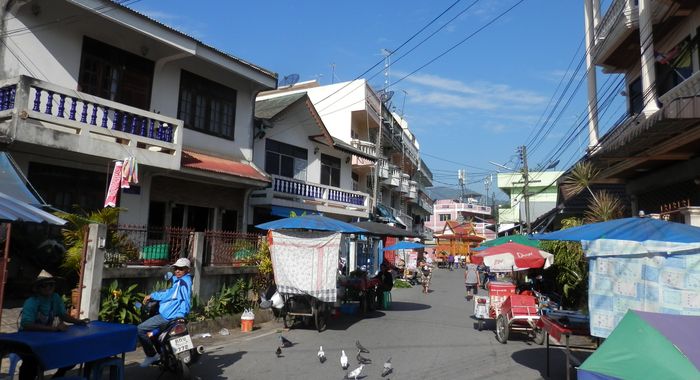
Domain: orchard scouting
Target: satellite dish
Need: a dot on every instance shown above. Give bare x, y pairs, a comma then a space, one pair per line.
385, 96
289, 80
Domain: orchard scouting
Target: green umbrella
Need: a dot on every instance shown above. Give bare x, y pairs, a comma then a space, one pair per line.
520, 239
647, 345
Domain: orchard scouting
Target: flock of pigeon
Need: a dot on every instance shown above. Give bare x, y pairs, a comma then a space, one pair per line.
361, 360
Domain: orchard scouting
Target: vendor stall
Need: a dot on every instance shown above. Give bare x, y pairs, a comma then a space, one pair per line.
305, 257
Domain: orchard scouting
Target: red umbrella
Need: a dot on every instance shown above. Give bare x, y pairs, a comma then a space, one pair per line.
513, 256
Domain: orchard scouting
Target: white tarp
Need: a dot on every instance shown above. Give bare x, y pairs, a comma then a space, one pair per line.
306, 262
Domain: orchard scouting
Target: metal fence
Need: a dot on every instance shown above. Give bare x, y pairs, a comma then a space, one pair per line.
224, 248
145, 245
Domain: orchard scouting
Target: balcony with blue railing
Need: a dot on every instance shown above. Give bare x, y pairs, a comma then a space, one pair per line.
41, 113
289, 192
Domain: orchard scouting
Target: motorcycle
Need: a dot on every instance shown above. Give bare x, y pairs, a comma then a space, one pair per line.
173, 343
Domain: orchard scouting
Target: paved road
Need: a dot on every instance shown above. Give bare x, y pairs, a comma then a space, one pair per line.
428, 336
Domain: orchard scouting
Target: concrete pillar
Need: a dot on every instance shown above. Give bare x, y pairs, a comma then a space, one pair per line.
691, 216
646, 41
92, 275
592, 19
197, 262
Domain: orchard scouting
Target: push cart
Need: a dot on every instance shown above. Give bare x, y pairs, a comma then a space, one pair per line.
306, 309
512, 312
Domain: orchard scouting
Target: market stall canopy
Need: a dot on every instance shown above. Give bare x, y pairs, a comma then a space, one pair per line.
14, 210
647, 346
630, 236
311, 222
513, 256
381, 229
520, 239
404, 245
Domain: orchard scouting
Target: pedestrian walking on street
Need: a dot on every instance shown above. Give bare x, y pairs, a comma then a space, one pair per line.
424, 271
450, 261
471, 280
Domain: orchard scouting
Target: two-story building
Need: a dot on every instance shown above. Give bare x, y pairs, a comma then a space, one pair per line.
88, 83
354, 114
654, 150
311, 172
446, 210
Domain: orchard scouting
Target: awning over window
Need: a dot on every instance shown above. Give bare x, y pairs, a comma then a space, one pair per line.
224, 166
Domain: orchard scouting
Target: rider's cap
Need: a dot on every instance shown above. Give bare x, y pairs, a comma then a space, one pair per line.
182, 262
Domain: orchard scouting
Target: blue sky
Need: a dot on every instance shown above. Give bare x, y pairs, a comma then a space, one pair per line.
475, 104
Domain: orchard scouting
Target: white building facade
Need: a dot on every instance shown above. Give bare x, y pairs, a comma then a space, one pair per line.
117, 85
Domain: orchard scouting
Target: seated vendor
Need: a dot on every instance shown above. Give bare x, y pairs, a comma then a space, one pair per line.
44, 311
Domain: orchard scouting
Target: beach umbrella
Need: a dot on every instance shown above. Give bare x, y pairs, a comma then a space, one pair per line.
629, 236
311, 222
513, 256
647, 345
15, 210
404, 245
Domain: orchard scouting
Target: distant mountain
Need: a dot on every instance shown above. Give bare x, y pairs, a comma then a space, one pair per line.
443, 192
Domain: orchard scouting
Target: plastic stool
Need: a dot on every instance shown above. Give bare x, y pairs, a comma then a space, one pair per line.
386, 300
115, 365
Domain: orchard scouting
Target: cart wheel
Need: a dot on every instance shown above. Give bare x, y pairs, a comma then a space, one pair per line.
288, 320
538, 337
321, 318
502, 329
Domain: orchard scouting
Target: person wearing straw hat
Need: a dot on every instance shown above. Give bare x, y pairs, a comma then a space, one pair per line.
44, 311
174, 303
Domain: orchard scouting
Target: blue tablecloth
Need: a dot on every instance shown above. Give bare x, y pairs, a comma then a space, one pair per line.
80, 344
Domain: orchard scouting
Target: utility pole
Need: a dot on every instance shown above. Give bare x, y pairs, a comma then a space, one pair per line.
378, 163
526, 187
461, 177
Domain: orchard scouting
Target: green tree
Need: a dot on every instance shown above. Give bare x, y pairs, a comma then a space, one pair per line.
602, 205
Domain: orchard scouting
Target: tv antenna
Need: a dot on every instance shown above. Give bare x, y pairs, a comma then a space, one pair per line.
289, 80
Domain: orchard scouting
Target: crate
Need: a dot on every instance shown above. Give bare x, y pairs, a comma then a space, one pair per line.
350, 308
519, 305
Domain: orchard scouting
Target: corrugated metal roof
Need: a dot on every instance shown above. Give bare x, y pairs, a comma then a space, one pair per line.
205, 162
269, 108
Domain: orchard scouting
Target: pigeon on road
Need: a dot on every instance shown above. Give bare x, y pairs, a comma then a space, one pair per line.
321, 354
343, 359
387, 367
278, 352
355, 373
361, 347
286, 342
361, 359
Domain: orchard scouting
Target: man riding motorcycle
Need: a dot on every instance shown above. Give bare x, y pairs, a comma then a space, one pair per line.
174, 303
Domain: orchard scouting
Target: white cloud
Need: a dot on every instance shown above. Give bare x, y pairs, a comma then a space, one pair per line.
451, 93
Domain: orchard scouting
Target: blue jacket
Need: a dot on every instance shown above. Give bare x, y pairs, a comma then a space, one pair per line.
175, 301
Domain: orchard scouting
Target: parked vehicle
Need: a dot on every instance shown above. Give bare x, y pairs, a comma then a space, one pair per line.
174, 344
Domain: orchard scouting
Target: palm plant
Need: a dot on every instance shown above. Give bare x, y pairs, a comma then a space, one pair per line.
603, 205
74, 233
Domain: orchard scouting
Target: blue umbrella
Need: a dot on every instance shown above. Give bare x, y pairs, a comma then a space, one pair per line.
403, 245
630, 236
311, 222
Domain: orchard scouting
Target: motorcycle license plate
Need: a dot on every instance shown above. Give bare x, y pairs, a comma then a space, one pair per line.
181, 344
